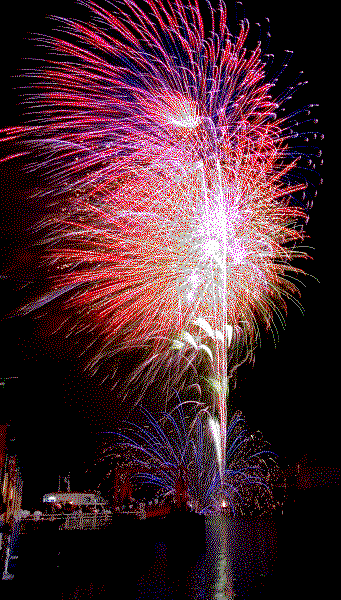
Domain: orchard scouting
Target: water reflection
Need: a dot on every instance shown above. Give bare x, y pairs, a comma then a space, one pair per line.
217, 557
238, 551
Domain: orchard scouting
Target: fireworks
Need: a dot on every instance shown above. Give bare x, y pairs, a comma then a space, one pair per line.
160, 453
173, 186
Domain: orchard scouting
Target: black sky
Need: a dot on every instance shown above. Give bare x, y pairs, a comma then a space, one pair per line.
289, 394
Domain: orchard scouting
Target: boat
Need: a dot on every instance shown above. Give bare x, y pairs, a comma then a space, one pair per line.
77, 510
75, 500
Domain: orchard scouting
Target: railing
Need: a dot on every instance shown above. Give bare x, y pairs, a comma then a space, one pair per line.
82, 520
85, 521
69, 521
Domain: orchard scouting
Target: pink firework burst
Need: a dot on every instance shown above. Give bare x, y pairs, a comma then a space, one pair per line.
176, 176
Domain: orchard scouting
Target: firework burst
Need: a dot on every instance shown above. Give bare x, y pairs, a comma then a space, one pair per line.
159, 453
171, 178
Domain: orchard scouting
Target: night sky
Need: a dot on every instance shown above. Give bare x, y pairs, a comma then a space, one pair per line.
55, 410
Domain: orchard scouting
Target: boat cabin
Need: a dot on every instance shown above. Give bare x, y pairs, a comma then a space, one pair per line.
70, 501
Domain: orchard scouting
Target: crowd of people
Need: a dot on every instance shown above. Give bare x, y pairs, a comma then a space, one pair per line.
142, 506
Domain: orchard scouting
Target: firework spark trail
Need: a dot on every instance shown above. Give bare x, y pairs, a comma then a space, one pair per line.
158, 453
176, 178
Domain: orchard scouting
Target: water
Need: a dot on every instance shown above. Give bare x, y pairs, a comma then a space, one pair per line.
238, 551
189, 557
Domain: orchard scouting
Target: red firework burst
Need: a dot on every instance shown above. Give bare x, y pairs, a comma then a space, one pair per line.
177, 177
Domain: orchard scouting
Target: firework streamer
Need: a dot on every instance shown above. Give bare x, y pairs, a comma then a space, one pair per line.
173, 188
157, 453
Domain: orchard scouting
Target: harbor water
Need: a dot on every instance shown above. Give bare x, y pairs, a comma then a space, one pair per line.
184, 556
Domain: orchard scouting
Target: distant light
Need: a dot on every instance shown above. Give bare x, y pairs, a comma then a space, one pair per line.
224, 504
